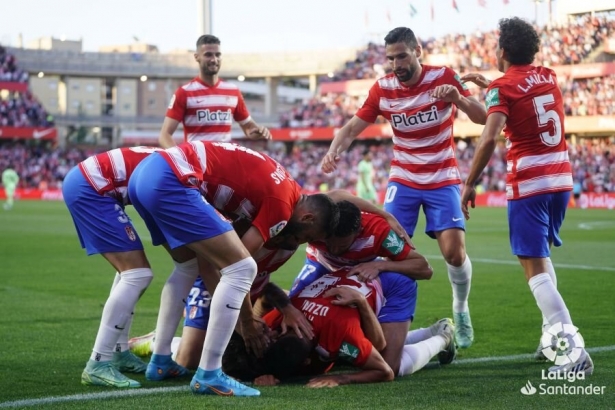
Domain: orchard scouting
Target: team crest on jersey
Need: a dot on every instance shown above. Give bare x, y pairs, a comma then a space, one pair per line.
349, 351
393, 243
492, 98
277, 228
131, 233
193, 312
172, 102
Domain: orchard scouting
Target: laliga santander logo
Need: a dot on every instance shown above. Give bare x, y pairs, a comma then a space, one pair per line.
562, 344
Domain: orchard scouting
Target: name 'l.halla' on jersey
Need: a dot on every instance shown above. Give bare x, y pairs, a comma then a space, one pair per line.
423, 145
537, 160
207, 112
376, 239
109, 172
238, 182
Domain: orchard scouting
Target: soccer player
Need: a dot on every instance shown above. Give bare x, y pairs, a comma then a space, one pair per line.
420, 101
207, 105
10, 179
166, 189
95, 192
367, 245
527, 103
365, 179
343, 311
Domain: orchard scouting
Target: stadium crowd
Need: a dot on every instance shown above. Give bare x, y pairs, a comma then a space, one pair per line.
593, 163
9, 71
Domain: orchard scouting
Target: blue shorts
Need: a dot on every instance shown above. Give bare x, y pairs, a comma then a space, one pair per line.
311, 271
442, 207
534, 223
197, 306
400, 294
100, 221
174, 213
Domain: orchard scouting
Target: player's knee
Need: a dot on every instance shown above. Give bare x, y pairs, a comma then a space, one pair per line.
454, 257
140, 278
240, 274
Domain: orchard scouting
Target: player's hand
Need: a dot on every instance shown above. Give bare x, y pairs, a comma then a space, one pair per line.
446, 93
365, 271
295, 319
255, 335
260, 133
468, 195
326, 381
477, 79
329, 162
344, 296
266, 380
399, 230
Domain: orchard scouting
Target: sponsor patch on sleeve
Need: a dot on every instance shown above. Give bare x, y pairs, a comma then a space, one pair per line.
171, 102
348, 351
393, 243
492, 98
462, 84
277, 228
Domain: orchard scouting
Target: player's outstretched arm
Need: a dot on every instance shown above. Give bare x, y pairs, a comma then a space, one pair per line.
415, 266
374, 370
254, 131
341, 142
484, 151
476, 78
169, 126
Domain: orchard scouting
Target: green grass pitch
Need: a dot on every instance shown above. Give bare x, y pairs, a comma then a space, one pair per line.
51, 297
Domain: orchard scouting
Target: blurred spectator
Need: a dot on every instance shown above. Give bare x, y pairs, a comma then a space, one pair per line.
23, 110
8, 68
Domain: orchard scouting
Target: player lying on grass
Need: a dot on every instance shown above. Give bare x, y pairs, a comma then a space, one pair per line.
343, 312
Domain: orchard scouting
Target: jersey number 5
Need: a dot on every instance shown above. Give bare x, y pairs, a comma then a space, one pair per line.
547, 116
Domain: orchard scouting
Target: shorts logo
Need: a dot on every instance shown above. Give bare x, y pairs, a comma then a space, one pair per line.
131, 233
277, 228
193, 312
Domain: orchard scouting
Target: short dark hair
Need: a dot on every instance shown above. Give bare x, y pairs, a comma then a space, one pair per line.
401, 35
326, 211
207, 39
350, 219
519, 40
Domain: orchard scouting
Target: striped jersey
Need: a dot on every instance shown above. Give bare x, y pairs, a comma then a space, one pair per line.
109, 172
424, 156
537, 159
239, 182
376, 239
268, 261
207, 112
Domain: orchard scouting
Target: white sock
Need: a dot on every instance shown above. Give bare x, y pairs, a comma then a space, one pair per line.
415, 356
122, 342
548, 299
172, 303
418, 335
175, 347
461, 281
234, 284
118, 311
551, 272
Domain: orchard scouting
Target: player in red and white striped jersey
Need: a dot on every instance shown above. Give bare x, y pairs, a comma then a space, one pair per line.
207, 105
96, 192
527, 103
420, 101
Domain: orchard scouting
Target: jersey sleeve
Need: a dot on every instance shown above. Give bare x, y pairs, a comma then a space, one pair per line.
453, 79
177, 105
371, 107
272, 217
496, 100
241, 114
391, 245
345, 339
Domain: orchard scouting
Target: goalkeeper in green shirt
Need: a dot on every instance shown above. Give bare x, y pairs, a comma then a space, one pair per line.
9, 181
365, 178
